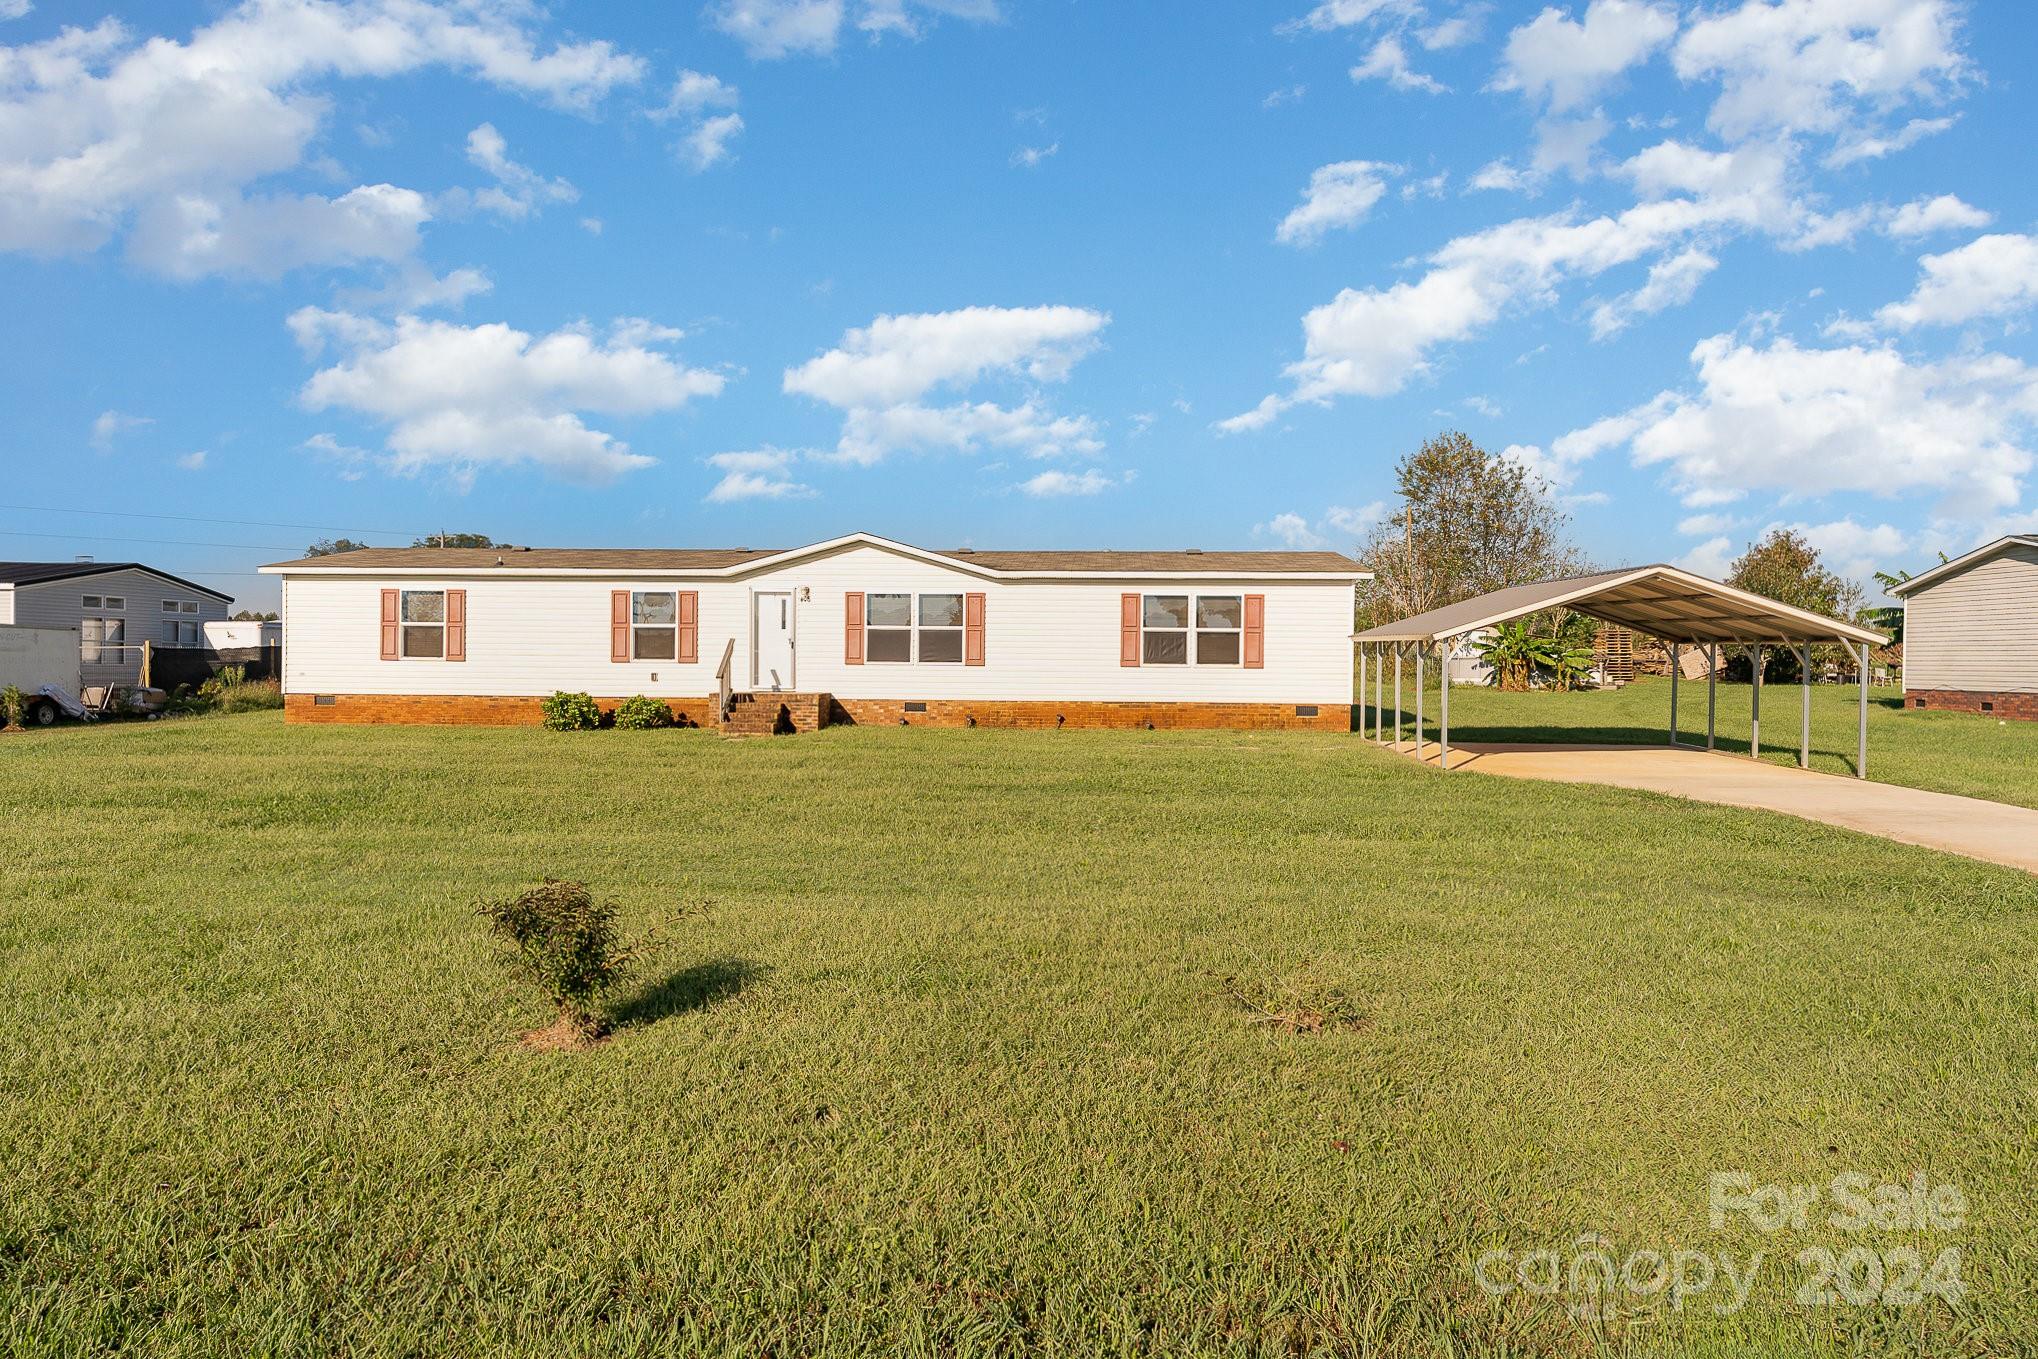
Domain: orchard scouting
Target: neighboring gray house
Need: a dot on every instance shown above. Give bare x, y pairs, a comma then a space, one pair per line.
1971, 632
113, 607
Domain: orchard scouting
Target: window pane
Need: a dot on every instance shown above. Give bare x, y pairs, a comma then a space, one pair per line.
116, 630
424, 606
1220, 611
888, 644
1217, 648
888, 611
190, 606
1167, 611
115, 602
169, 606
92, 602
1165, 648
429, 642
653, 606
657, 644
941, 644
940, 611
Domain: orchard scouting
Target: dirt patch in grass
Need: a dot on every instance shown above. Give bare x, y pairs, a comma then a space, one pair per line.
1300, 1003
561, 1035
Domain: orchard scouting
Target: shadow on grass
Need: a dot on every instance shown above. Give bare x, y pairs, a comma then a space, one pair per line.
690, 989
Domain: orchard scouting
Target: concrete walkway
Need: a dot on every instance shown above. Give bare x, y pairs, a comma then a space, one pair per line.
1978, 829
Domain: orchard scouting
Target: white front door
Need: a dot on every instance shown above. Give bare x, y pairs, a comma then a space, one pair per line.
771, 640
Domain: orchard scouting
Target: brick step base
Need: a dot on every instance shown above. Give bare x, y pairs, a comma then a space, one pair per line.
768, 714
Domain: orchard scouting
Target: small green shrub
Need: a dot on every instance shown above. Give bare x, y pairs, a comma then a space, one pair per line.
259, 696
643, 714
567, 942
571, 712
13, 704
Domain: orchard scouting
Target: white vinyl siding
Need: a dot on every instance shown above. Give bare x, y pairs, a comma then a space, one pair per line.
1044, 640
1976, 629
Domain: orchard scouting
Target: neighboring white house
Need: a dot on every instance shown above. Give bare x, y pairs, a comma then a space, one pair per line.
113, 607
872, 630
1971, 632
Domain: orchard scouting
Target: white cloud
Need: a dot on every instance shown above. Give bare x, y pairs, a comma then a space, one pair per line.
1339, 195
99, 129
412, 287
1923, 216
519, 190
759, 474
348, 462
1672, 282
1856, 551
1029, 157
464, 398
771, 29
1388, 61
110, 425
1287, 94
1873, 146
1457, 31
1811, 422
15, 9
1989, 276
1058, 483
1348, 520
1698, 525
1819, 65
1500, 175
1565, 63
1714, 557
1292, 529
193, 461
881, 375
704, 143
1335, 14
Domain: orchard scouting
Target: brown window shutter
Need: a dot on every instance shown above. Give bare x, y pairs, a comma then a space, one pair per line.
973, 629
689, 615
1128, 629
1255, 632
619, 625
390, 626
852, 628
456, 625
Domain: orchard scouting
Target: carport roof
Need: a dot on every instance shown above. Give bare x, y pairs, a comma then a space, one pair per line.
1662, 601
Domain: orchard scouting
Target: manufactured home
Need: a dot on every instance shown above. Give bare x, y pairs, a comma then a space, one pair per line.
1971, 632
113, 607
857, 629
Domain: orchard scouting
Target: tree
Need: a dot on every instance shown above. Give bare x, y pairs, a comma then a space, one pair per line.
250, 616
457, 540
332, 547
1786, 568
1469, 522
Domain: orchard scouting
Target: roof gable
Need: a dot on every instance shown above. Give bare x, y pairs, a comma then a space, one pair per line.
1902, 589
43, 573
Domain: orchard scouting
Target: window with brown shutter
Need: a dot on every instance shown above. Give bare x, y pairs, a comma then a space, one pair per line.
1128, 629
973, 629
689, 626
852, 628
1255, 632
619, 626
391, 626
456, 625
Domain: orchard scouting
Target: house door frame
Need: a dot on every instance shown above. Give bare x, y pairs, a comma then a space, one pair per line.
758, 599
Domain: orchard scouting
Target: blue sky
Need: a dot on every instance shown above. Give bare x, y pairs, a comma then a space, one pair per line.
1009, 273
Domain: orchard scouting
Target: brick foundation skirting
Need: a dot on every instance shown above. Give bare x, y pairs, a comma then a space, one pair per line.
2023, 707
482, 710
458, 710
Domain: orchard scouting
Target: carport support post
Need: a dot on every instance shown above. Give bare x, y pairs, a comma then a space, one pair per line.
1420, 653
1804, 730
1397, 696
1362, 690
1712, 690
1755, 709
1379, 678
1861, 741
1444, 721
1675, 670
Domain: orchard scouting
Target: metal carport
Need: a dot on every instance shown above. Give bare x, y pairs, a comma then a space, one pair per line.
1667, 602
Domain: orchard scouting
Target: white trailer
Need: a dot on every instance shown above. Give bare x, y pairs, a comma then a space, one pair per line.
32, 658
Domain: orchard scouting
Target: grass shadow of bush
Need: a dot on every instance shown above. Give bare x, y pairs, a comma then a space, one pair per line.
689, 989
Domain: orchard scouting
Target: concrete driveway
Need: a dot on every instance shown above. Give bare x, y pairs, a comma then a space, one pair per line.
1969, 826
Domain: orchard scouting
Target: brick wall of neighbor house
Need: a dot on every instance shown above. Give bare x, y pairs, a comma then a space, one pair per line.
2002, 703
456, 710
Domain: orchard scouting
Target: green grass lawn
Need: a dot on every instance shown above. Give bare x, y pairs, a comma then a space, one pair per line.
1948, 752
943, 1064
